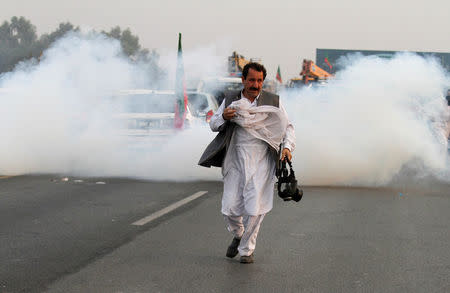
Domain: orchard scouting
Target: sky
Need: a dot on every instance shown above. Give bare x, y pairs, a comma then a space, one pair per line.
282, 32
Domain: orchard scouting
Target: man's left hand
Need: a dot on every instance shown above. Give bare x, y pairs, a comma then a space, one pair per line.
286, 153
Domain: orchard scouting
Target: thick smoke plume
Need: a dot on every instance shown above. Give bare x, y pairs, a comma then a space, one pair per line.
378, 119
57, 117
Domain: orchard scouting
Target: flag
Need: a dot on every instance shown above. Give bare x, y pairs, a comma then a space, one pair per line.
328, 62
278, 77
180, 89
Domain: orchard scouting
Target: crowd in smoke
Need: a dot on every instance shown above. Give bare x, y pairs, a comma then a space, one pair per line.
374, 120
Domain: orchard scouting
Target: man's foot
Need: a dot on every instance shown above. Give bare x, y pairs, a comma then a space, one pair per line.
247, 258
232, 250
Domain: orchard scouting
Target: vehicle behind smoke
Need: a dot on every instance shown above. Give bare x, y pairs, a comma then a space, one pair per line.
202, 105
146, 117
144, 112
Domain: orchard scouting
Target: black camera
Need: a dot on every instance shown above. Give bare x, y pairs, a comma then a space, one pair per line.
287, 184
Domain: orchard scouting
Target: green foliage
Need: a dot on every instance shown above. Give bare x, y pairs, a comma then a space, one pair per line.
47, 39
128, 41
148, 60
19, 42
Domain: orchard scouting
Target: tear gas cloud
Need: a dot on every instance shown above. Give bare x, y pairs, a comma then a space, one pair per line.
57, 117
378, 120
375, 120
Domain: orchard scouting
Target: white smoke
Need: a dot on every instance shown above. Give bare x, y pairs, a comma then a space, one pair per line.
56, 117
199, 63
377, 119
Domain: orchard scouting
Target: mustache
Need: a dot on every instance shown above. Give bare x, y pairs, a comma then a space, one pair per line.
254, 89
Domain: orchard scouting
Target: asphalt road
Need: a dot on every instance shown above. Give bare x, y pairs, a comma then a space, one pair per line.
68, 236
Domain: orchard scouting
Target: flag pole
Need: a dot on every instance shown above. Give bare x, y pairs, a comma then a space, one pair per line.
180, 89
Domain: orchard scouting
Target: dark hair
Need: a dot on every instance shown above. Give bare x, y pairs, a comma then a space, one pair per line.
255, 66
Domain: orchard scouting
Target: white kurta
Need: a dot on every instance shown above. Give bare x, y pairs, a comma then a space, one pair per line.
249, 169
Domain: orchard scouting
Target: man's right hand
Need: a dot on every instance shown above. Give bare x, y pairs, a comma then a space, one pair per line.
228, 113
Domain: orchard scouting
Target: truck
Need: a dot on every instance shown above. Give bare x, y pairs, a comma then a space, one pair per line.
236, 63
311, 73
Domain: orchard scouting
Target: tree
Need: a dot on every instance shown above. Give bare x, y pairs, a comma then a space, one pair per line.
23, 33
148, 60
17, 40
128, 41
46, 40
63, 28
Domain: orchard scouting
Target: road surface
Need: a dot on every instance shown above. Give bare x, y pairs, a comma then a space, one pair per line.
80, 235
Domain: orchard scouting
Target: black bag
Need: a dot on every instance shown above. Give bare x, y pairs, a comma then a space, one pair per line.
287, 184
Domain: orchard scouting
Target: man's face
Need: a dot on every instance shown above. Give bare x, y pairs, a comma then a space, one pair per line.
253, 83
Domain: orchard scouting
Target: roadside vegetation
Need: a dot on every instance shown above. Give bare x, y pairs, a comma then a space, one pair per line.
20, 42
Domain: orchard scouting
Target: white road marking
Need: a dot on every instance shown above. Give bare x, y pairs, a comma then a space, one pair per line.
168, 209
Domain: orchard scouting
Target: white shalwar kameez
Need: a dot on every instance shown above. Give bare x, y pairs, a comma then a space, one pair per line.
249, 175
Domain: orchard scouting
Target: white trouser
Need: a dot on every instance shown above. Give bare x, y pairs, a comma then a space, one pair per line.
246, 228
